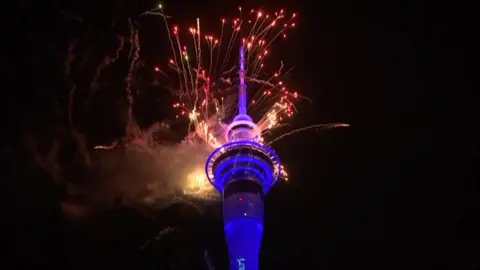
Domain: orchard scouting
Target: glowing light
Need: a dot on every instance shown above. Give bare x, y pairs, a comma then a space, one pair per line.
207, 77
196, 180
205, 80
217, 179
205, 83
241, 263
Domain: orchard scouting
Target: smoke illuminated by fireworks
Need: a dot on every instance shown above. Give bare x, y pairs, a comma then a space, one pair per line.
197, 181
206, 68
203, 71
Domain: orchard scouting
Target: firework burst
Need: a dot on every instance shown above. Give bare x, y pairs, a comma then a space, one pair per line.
206, 68
204, 75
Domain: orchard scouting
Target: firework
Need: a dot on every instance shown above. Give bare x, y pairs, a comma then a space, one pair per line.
206, 68
197, 182
204, 75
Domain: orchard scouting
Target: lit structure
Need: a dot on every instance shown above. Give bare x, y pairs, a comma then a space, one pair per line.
243, 170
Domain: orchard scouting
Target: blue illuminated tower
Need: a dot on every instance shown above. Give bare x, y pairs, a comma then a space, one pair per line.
243, 170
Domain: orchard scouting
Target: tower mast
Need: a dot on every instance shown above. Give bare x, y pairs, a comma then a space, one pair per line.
242, 89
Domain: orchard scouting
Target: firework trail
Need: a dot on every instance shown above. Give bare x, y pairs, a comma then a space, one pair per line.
320, 126
207, 90
206, 69
206, 66
160, 234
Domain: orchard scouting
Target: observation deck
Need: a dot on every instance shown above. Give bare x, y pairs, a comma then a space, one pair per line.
246, 159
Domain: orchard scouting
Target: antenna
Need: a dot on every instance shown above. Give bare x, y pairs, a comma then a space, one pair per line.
242, 89
242, 126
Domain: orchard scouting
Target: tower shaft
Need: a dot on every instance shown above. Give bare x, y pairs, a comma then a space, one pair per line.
243, 223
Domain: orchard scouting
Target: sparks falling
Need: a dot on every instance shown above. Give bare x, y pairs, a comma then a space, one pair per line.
206, 67
204, 73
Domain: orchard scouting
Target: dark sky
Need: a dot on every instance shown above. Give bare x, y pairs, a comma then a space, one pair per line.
396, 190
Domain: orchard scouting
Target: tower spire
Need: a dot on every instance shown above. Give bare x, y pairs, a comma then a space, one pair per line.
242, 89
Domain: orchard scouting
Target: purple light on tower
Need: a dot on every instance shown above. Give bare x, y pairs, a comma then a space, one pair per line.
242, 89
243, 170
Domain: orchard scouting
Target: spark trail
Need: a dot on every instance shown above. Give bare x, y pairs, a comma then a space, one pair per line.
319, 126
207, 68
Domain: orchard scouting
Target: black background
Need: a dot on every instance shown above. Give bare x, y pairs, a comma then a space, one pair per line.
394, 191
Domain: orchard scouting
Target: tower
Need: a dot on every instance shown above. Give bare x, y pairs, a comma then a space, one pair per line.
243, 170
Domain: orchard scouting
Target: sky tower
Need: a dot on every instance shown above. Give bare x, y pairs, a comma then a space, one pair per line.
243, 170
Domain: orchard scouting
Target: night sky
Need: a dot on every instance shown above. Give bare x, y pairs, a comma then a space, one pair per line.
396, 190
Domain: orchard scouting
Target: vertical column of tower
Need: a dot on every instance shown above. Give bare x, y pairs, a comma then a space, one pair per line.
243, 170
243, 222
